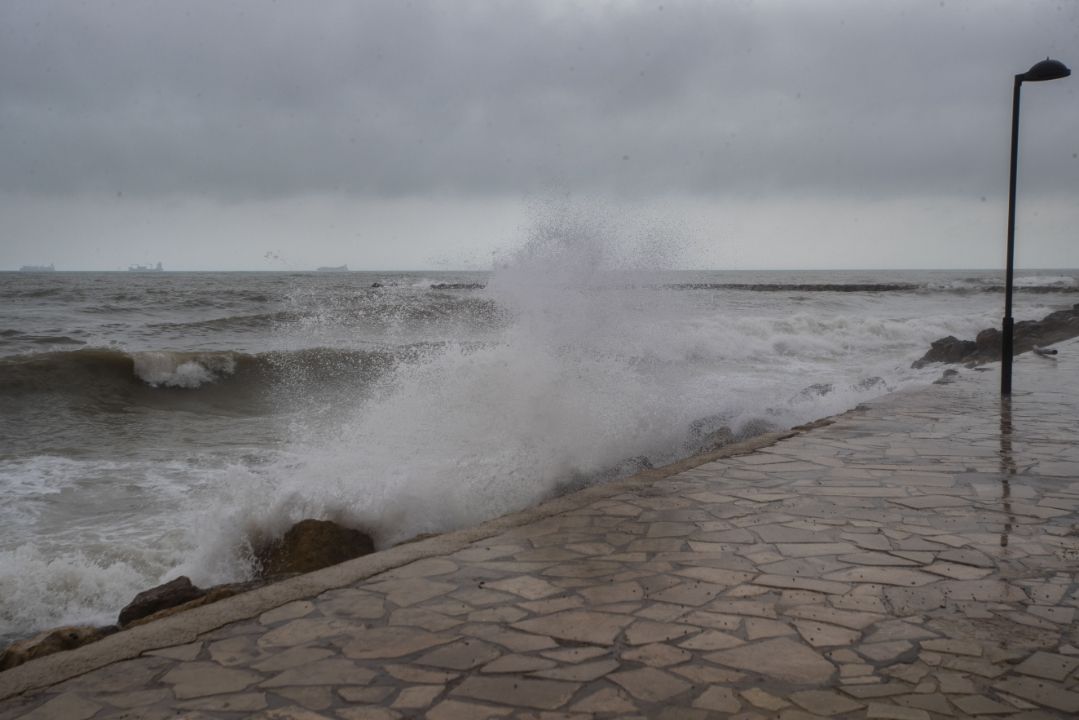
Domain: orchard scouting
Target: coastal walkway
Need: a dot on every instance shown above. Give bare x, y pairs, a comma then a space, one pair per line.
914, 558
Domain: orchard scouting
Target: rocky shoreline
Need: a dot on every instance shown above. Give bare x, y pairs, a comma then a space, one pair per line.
1029, 335
308, 545
315, 544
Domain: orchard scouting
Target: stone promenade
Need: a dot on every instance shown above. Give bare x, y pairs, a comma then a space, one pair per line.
914, 559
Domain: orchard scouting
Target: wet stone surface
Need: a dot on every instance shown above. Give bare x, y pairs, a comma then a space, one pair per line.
917, 558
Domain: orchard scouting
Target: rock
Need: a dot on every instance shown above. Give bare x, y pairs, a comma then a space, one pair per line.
948, 349
311, 545
1028, 334
173, 593
52, 641
948, 376
211, 595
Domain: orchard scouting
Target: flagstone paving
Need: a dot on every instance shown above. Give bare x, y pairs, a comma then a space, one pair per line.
917, 558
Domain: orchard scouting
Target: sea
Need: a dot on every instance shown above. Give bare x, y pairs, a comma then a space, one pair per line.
162, 424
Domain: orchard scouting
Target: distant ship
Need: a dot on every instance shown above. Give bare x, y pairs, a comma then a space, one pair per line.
145, 268
338, 268
37, 268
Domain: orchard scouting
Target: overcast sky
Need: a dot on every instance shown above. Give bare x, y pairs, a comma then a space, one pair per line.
401, 134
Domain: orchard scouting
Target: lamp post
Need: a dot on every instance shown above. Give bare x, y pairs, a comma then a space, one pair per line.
1045, 70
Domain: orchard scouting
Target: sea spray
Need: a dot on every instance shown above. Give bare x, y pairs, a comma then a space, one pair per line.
430, 401
595, 361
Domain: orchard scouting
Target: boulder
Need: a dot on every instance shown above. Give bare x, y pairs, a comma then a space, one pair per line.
1028, 334
171, 594
947, 349
210, 595
311, 545
52, 641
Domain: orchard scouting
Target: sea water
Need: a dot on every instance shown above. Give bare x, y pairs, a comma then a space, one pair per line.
157, 425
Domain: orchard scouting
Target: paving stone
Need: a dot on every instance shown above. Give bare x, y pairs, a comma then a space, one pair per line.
137, 698
290, 611
606, 701
391, 642
198, 679
1048, 665
825, 702
425, 619
67, 706
957, 571
801, 583
333, 671
718, 699
183, 653
880, 711
953, 647
711, 640
526, 586
689, 593
822, 635
583, 672
885, 651
240, 702
578, 626
368, 713
351, 603
316, 698
291, 712
374, 694
645, 632
575, 654
293, 657
541, 694
420, 675
650, 684
417, 697
758, 628
761, 699
461, 655
509, 639
883, 576
657, 655
981, 705
779, 658
844, 618
302, 631
456, 710
518, 664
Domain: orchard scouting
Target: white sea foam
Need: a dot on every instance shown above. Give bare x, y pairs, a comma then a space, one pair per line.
582, 359
182, 370
42, 590
596, 365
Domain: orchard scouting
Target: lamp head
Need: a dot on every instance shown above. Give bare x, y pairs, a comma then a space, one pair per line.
1046, 70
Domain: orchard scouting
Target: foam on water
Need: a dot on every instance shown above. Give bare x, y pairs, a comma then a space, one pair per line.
405, 410
595, 364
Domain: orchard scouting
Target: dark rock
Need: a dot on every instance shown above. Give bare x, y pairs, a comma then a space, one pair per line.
171, 594
211, 595
947, 377
948, 349
987, 343
52, 641
813, 392
1028, 334
871, 383
312, 545
458, 286
376, 284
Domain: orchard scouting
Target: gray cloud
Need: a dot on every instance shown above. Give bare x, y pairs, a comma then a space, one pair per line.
253, 100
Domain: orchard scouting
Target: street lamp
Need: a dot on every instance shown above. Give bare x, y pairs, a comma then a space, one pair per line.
1045, 70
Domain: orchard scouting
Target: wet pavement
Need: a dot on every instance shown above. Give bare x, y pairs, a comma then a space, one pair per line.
916, 558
